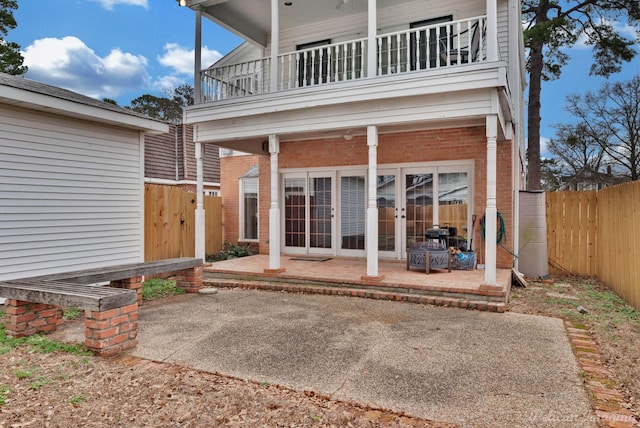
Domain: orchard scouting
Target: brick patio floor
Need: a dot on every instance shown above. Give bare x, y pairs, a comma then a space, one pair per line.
352, 271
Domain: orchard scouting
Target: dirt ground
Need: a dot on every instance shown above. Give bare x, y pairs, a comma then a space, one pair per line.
61, 389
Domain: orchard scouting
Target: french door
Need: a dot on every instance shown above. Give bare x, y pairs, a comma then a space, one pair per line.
407, 206
436, 197
324, 212
309, 213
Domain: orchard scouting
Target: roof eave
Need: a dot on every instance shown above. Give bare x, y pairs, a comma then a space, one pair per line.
47, 103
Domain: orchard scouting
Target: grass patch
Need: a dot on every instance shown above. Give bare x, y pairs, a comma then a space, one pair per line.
38, 383
24, 374
76, 399
72, 313
604, 307
4, 393
37, 343
156, 288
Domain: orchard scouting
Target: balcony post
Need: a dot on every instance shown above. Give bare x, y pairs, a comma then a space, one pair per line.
372, 25
371, 245
491, 210
492, 30
197, 63
200, 230
274, 210
275, 46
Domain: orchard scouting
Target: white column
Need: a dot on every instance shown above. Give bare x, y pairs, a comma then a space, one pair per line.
491, 209
200, 225
492, 30
275, 45
372, 206
197, 63
274, 210
372, 31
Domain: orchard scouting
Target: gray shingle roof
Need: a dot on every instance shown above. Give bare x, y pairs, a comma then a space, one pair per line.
25, 84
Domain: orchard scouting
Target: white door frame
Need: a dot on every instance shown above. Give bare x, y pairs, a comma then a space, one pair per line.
400, 171
306, 176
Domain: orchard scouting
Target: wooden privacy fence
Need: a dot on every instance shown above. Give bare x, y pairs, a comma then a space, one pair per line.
597, 233
169, 223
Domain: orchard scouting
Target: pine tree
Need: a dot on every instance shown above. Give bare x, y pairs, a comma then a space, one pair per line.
11, 60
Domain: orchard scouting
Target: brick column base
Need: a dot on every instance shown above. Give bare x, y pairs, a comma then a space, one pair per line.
134, 283
109, 332
190, 279
27, 318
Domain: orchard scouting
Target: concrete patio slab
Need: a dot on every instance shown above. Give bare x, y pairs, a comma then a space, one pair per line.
477, 369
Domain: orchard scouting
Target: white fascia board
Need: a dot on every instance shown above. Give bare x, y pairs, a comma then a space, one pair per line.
46, 103
390, 112
372, 89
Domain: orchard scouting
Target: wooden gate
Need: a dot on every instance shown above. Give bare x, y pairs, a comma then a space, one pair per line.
169, 223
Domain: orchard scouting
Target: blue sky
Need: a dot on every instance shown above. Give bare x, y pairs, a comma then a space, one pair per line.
121, 49
118, 49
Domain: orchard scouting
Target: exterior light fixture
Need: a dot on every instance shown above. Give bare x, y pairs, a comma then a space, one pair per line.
182, 2
288, 3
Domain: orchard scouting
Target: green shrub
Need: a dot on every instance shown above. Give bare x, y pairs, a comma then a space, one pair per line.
231, 251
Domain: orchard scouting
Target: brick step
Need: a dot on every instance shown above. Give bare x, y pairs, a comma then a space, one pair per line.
380, 292
483, 294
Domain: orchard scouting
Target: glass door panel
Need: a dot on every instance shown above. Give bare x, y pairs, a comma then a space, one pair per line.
320, 212
294, 212
387, 217
453, 206
419, 206
352, 212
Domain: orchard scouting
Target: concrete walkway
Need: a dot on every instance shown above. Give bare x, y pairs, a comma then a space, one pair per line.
473, 368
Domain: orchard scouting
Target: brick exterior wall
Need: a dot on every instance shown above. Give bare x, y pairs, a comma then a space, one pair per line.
232, 168
453, 144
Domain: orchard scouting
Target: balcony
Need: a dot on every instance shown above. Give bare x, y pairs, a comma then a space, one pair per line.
450, 44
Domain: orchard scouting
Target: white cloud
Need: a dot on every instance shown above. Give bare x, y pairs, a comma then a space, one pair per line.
167, 84
181, 59
69, 63
544, 151
109, 4
624, 29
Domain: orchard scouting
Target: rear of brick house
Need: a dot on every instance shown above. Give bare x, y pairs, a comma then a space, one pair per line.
376, 121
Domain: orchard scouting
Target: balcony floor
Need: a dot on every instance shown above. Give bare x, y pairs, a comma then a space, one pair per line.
346, 276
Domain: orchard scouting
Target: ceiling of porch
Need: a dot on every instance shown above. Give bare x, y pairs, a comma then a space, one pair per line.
251, 19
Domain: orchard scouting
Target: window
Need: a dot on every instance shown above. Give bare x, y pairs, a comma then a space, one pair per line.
249, 209
425, 44
313, 64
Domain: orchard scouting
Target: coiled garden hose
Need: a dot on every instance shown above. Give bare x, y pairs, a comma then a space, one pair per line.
501, 232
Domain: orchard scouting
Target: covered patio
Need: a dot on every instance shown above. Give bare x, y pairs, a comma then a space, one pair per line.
343, 276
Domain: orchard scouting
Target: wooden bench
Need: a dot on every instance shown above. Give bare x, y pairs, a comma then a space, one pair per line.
34, 305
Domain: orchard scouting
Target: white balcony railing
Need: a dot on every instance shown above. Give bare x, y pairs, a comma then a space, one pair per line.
323, 64
430, 47
236, 80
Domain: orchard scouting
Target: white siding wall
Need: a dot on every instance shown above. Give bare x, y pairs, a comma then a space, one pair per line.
71, 194
354, 26
503, 30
